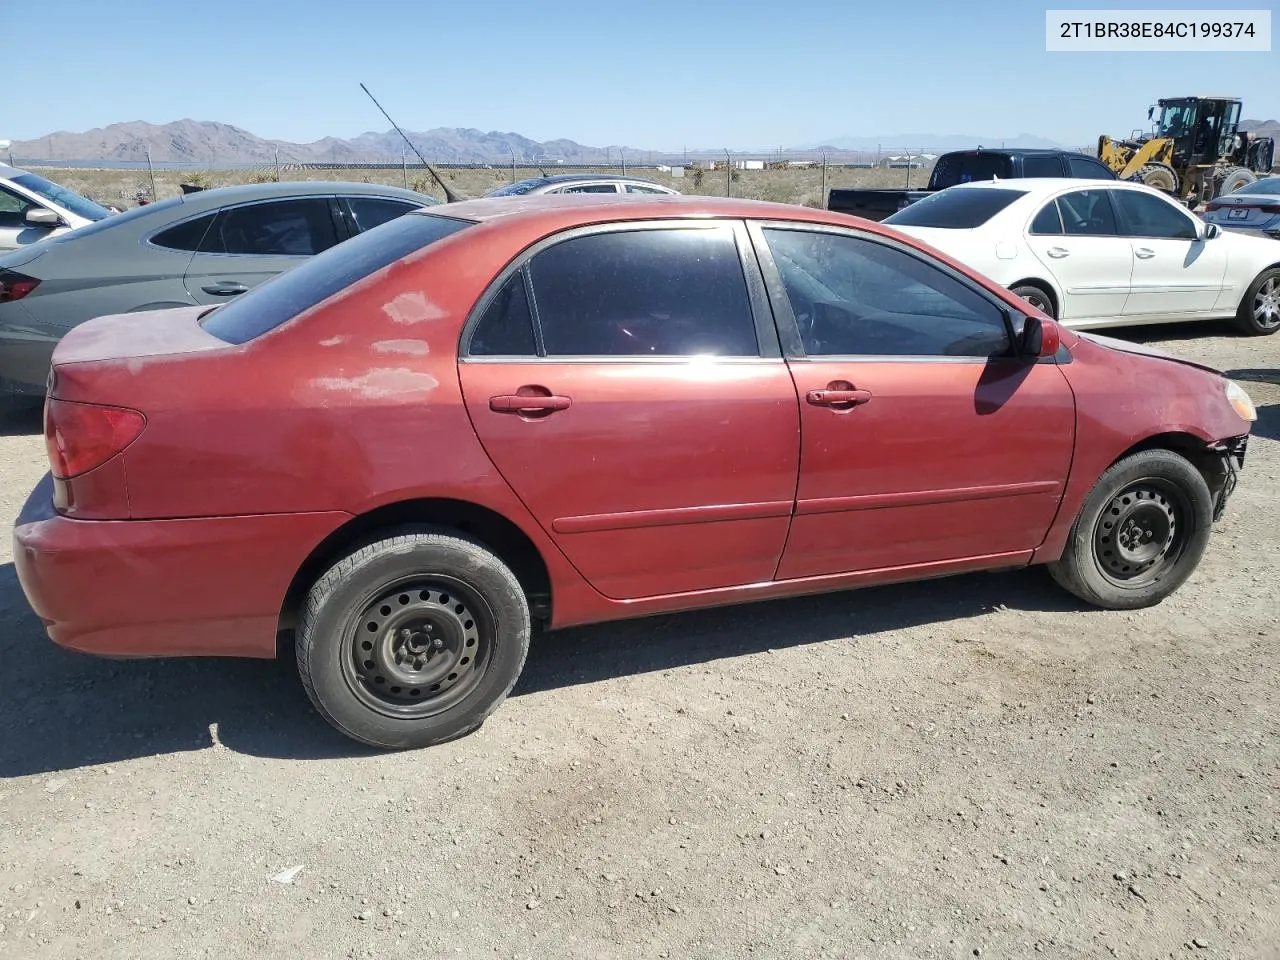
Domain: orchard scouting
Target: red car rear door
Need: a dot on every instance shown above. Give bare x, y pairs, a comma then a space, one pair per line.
628, 383
924, 441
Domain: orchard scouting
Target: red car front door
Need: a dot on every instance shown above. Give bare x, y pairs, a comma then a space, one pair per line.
921, 442
629, 386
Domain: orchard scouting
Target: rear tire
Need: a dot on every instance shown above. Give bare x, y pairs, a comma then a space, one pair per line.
1037, 296
1140, 533
412, 640
1259, 312
1235, 178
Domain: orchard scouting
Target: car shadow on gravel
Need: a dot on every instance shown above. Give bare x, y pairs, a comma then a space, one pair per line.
64, 710
21, 417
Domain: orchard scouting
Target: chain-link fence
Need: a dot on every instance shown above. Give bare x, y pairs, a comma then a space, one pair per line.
803, 178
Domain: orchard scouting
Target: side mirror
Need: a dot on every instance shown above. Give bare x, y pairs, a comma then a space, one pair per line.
1040, 337
1209, 231
41, 217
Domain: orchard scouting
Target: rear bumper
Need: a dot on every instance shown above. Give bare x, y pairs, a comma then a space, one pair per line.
155, 588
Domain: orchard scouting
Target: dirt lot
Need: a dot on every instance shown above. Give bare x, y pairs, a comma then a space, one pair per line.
971, 767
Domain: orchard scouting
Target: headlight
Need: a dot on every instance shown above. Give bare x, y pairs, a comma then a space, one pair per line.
1240, 401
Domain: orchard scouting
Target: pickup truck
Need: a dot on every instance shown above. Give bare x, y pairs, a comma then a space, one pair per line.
962, 166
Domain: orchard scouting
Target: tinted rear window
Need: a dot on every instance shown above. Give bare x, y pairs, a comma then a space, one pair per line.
955, 209
288, 294
967, 167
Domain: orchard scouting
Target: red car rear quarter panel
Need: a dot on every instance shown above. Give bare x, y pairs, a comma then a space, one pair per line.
1123, 399
351, 407
175, 587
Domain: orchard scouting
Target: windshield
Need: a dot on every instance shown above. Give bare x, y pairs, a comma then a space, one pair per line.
1176, 119
67, 199
517, 188
960, 209
288, 294
1267, 185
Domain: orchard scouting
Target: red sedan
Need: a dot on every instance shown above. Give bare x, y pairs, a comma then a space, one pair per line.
562, 410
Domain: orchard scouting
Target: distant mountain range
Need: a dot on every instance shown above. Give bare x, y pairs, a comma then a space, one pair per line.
931, 141
197, 141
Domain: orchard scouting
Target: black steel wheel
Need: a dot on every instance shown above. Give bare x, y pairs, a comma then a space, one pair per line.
419, 646
413, 639
1139, 534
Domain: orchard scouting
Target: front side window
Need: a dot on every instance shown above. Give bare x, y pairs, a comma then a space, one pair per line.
641, 188
13, 208
1087, 213
858, 297
277, 228
1149, 216
660, 292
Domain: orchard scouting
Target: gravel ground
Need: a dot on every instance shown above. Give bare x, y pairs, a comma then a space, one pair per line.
968, 767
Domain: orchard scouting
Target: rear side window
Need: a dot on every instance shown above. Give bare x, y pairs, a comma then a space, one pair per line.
1048, 222
664, 292
288, 294
184, 236
506, 329
1034, 165
370, 212
1087, 168
967, 167
1087, 213
278, 228
955, 209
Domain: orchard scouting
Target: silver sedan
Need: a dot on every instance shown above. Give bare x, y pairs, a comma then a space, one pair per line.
1251, 209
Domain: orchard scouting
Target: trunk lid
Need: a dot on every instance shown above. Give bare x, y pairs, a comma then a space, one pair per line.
135, 336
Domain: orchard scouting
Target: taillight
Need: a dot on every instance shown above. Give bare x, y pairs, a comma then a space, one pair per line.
81, 436
15, 286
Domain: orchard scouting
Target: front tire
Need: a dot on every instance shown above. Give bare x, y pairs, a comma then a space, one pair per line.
413, 640
1259, 312
1140, 533
1037, 297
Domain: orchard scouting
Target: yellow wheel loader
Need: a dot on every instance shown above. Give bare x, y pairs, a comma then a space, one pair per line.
1195, 151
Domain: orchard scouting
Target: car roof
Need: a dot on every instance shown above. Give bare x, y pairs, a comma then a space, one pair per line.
566, 177
1044, 185
564, 211
240, 193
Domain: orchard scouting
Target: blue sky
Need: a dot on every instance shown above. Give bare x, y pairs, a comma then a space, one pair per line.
695, 73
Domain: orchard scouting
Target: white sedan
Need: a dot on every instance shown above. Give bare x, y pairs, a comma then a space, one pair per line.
1102, 253
33, 208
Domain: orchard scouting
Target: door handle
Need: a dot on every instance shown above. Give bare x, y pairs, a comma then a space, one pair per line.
224, 288
838, 398
528, 404
1058, 252
1144, 253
